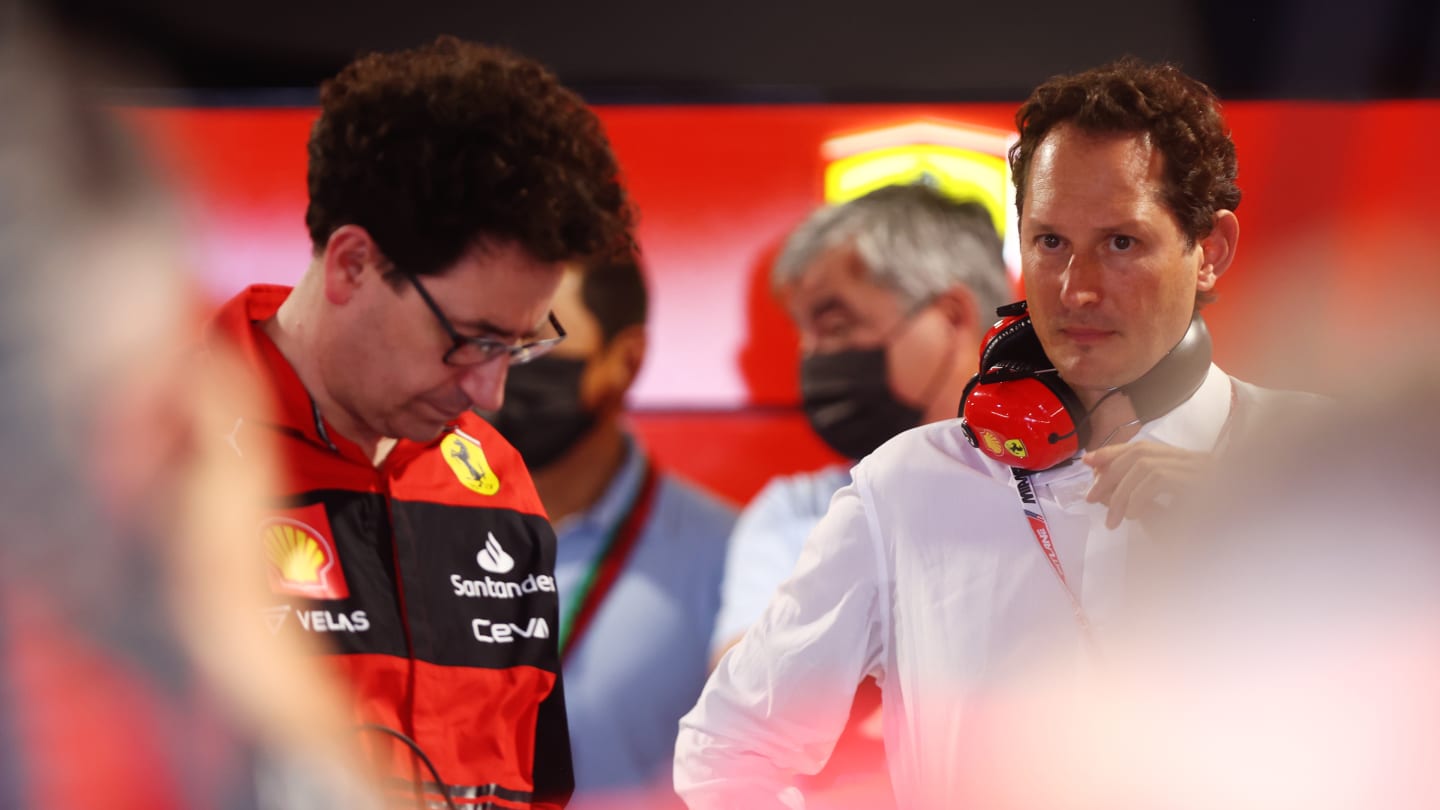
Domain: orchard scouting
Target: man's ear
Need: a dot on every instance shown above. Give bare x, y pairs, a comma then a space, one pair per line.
1217, 250
349, 258
958, 306
620, 361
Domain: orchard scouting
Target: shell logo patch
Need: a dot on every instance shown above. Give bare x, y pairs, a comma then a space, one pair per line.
1016, 448
468, 462
301, 557
993, 443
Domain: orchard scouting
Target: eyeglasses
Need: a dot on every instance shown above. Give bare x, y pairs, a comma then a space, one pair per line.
472, 351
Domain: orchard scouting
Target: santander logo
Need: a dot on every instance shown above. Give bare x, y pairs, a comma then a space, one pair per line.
493, 558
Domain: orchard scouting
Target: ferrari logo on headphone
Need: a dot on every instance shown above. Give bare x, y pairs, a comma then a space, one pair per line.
1016, 448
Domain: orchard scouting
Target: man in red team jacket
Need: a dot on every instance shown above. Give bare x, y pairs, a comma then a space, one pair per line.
449, 187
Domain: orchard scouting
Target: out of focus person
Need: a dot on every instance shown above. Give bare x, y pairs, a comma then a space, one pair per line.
133, 670
965, 551
890, 293
641, 551
1279, 649
449, 186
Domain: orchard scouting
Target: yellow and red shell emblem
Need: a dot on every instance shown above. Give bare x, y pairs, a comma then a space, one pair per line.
301, 558
994, 444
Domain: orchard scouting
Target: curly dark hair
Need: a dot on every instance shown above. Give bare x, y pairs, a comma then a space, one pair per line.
1181, 115
434, 149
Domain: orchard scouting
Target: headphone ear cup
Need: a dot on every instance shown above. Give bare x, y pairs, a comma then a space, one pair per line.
965, 396
1017, 411
1032, 422
1077, 422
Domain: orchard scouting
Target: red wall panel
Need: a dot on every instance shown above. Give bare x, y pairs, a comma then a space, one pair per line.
1339, 200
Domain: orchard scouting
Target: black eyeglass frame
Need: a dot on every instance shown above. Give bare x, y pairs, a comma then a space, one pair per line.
490, 348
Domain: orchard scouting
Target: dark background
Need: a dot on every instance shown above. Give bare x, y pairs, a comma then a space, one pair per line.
651, 51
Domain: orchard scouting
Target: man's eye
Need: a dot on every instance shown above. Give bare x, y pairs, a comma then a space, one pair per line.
1122, 242
1050, 241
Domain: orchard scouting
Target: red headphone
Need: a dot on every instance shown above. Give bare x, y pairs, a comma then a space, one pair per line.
1019, 412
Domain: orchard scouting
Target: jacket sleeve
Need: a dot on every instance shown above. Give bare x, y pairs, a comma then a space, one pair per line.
554, 770
778, 701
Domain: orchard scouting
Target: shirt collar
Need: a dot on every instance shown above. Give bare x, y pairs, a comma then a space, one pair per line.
614, 502
1196, 423
290, 407
239, 324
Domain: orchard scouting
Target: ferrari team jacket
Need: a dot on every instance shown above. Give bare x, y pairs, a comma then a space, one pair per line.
429, 578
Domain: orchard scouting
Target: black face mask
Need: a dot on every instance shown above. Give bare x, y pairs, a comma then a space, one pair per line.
542, 415
847, 397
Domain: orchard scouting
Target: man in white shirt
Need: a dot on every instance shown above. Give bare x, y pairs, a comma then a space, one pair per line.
946, 573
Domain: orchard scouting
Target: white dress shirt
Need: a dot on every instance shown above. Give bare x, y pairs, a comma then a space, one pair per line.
926, 574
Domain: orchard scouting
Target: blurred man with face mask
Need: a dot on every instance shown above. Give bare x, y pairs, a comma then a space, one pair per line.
891, 293
641, 552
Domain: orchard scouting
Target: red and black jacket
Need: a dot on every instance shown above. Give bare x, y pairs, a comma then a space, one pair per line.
431, 578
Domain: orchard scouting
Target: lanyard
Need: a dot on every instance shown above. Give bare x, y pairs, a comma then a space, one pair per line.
605, 570
1035, 516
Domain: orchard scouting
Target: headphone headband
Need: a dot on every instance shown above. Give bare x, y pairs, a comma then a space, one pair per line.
1176, 377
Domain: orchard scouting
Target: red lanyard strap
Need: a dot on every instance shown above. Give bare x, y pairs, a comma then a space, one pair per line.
606, 569
1030, 505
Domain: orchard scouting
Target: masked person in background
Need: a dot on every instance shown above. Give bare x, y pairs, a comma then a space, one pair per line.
641, 552
891, 293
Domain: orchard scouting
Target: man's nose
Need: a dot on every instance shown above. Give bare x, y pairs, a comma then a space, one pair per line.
484, 383
1081, 284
